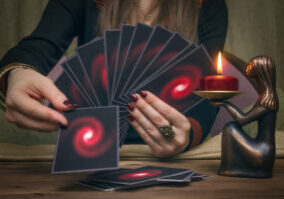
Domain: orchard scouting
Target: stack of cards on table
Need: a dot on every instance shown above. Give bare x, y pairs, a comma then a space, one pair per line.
140, 177
102, 74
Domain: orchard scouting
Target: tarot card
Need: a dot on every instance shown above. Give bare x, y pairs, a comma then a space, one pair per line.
90, 141
101, 173
74, 79
92, 58
159, 36
176, 44
108, 186
122, 130
182, 177
123, 133
111, 51
80, 78
124, 41
198, 177
186, 51
72, 92
140, 175
94, 185
139, 39
175, 85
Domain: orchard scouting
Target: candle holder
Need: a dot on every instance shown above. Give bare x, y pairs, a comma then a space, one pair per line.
241, 155
217, 95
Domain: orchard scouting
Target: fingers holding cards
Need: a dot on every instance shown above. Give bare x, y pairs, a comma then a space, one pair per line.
166, 111
147, 120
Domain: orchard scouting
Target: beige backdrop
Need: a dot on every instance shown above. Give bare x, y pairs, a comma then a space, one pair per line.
255, 28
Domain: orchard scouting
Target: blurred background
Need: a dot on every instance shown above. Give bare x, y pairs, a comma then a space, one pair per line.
256, 27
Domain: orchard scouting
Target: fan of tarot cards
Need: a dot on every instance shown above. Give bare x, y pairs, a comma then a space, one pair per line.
103, 73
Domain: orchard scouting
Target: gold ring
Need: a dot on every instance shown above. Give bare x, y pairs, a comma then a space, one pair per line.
167, 131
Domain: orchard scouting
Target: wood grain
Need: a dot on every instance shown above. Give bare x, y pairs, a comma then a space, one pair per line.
33, 180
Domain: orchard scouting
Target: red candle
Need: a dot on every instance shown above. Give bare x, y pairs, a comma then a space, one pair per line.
219, 82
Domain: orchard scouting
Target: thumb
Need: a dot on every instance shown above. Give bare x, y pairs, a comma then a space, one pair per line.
55, 96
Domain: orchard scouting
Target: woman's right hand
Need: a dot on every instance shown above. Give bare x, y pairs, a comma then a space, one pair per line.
25, 92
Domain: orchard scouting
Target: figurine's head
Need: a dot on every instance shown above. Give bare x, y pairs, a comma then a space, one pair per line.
250, 70
263, 69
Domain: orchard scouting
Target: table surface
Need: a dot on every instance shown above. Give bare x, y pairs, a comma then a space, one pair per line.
33, 180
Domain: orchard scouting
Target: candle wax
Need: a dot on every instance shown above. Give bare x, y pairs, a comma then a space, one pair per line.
219, 83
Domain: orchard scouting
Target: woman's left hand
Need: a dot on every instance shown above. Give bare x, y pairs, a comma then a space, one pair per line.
148, 113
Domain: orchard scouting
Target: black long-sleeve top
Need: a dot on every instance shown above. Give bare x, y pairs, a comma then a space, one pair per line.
65, 19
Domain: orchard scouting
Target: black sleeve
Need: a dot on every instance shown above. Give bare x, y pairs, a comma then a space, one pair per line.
212, 25
60, 23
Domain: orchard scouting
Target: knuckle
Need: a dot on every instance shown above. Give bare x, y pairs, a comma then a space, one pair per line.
167, 111
186, 125
49, 115
33, 111
158, 119
56, 95
9, 117
150, 129
10, 102
180, 143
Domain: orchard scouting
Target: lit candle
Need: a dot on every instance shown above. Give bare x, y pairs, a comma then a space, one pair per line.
219, 82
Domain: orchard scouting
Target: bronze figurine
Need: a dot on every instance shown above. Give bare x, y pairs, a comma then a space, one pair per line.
242, 155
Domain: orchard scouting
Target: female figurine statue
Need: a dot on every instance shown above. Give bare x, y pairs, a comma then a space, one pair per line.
242, 155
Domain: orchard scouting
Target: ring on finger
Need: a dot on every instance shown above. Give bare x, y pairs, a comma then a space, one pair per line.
167, 131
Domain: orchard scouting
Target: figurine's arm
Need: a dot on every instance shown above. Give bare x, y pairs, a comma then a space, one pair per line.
244, 118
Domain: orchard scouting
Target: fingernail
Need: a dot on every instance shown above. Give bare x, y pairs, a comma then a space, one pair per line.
133, 98
130, 107
63, 126
131, 118
143, 94
69, 104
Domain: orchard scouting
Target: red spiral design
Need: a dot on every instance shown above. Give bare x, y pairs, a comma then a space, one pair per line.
181, 85
75, 94
137, 50
154, 51
99, 67
89, 139
140, 174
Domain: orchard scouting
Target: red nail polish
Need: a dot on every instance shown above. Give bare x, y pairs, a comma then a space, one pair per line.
130, 107
143, 94
133, 98
69, 104
131, 118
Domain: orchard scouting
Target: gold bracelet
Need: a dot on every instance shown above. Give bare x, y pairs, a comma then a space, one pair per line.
3, 75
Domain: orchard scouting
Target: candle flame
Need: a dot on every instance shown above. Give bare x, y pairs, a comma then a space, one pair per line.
219, 64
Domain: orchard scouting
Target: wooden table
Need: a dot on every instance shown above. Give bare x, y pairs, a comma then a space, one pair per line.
33, 180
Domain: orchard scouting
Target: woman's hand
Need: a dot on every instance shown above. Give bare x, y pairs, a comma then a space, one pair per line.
148, 113
26, 90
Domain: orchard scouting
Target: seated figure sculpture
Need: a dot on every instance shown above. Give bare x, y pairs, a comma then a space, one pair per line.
242, 155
